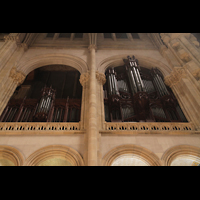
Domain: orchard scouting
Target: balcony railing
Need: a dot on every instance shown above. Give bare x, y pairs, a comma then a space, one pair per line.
38, 127
149, 126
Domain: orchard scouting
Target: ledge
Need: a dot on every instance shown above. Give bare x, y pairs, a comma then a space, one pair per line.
39, 128
167, 128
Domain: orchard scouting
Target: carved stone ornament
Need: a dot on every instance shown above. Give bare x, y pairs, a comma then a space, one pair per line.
101, 78
175, 77
92, 46
17, 76
84, 78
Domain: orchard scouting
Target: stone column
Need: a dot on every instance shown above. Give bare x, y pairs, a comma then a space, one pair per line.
92, 128
84, 79
101, 80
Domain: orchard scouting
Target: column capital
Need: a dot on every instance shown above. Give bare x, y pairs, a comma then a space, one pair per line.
92, 46
17, 76
175, 77
101, 78
84, 78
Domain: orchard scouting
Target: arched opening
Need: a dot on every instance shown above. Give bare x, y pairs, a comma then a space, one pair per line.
130, 155
129, 160
55, 155
10, 156
182, 155
49, 94
133, 93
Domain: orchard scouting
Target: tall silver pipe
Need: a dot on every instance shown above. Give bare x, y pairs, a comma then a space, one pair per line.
48, 104
158, 87
133, 81
110, 83
115, 81
164, 86
137, 79
160, 84
141, 81
109, 86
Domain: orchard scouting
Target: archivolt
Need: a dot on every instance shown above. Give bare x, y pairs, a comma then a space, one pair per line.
53, 151
144, 61
12, 154
50, 59
180, 150
144, 153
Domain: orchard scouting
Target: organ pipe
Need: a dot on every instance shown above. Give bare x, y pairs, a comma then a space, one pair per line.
48, 95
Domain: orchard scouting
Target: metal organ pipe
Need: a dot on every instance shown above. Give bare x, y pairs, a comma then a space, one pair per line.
133, 81
141, 81
137, 79
166, 91
158, 86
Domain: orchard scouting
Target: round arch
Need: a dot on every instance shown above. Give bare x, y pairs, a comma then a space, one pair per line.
177, 151
52, 59
148, 156
55, 151
144, 61
11, 154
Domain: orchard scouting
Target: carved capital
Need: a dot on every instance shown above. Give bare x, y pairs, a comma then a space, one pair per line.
92, 46
175, 77
101, 78
84, 78
17, 76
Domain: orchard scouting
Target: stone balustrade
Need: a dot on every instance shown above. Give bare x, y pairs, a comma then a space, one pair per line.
110, 127
40, 127
149, 126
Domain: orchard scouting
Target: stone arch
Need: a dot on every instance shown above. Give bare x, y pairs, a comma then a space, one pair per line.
142, 152
181, 150
144, 61
53, 151
50, 59
11, 154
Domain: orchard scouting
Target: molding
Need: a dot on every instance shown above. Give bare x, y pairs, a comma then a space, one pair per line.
175, 77
12, 154
180, 150
53, 151
142, 152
